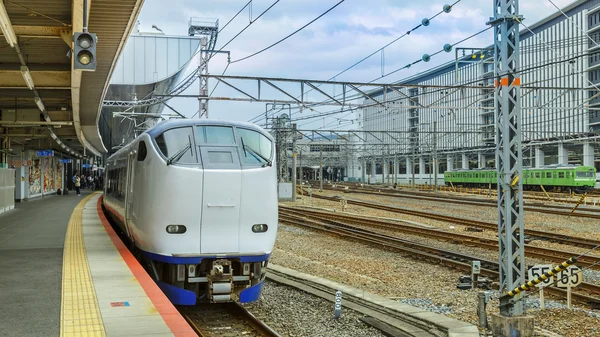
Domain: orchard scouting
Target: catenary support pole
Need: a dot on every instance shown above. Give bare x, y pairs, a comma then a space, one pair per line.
294, 167
435, 159
508, 152
321, 168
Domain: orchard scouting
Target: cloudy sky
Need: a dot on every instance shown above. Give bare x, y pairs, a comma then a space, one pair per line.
350, 32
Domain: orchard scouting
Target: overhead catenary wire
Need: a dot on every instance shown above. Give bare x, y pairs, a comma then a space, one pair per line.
272, 45
185, 83
289, 35
520, 72
560, 44
414, 62
378, 50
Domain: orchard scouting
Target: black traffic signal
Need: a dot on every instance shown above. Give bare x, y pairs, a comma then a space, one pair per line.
84, 51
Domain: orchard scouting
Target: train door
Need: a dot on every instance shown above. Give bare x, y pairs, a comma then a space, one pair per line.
222, 191
129, 192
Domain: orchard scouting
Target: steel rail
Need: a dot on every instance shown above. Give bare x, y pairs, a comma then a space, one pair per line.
447, 258
238, 313
474, 202
566, 239
469, 240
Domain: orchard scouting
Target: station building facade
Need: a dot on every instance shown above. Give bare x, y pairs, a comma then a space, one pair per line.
151, 64
560, 105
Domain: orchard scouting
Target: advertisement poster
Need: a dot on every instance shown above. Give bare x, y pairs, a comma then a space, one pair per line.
59, 175
48, 174
35, 176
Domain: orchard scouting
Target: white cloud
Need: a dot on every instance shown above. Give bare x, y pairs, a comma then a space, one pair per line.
347, 34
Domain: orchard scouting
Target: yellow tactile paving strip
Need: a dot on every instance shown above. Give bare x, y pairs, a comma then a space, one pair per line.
80, 313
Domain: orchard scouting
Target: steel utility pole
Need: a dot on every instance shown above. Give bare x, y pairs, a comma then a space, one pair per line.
202, 72
321, 168
412, 164
435, 160
294, 168
508, 152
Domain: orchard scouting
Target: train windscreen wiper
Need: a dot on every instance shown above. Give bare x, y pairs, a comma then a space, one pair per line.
255, 153
175, 158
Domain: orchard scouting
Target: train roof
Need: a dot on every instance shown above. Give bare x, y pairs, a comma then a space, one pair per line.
171, 123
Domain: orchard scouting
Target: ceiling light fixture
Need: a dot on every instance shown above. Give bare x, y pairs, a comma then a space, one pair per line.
6, 26
40, 104
27, 77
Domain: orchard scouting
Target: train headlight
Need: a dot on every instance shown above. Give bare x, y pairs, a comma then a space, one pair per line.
176, 229
260, 228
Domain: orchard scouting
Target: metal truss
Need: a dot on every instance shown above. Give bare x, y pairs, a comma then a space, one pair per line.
509, 156
209, 30
350, 94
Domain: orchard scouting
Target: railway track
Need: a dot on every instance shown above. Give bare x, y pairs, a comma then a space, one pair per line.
528, 195
457, 238
531, 233
389, 321
583, 294
593, 213
225, 320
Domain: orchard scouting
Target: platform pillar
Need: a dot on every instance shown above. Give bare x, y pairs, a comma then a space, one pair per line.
421, 168
513, 326
364, 170
465, 161
384, 170
480, 160
588, 154
409, 169
563, 154
539, 157
449, 162
373, 171
396, 169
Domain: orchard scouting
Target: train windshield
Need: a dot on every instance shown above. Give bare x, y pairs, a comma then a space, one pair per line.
585, 174
257, 148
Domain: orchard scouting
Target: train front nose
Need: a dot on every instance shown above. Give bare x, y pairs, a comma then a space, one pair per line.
221, 191
220, 220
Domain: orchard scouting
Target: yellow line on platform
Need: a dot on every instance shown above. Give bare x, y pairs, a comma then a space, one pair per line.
79, 312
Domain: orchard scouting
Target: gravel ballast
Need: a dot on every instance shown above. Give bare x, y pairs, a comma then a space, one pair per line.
428, 286
294, 313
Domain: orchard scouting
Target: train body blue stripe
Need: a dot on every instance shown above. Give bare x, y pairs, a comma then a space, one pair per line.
251, 294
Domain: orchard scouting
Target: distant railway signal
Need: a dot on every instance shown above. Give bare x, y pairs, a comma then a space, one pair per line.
84, 51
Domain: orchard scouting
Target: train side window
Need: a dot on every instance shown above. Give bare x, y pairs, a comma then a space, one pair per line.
561, 175
142, 151
537, 175
548, 175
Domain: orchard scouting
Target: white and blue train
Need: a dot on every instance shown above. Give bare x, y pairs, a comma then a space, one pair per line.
198, 201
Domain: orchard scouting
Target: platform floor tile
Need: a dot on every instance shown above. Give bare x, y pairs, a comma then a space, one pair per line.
125, 307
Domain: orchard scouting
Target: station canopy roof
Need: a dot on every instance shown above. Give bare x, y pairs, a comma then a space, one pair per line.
44, 102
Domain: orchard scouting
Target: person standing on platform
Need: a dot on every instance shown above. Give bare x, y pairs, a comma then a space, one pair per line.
78, 185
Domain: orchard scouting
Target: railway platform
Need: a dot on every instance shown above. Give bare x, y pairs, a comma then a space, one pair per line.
65, 272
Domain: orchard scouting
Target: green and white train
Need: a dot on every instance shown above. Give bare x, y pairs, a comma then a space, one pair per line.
557, 177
